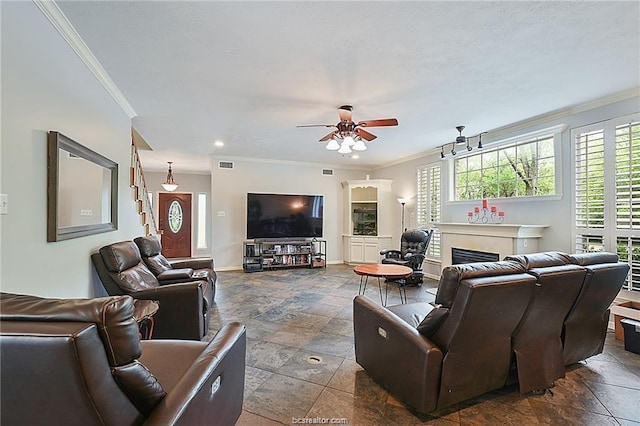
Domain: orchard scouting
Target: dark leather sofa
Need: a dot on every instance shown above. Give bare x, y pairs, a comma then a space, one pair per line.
81, 362
491, 323
184, 306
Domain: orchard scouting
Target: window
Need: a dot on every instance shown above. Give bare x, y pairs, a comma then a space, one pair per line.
201, 241
429, 202
523, 168
606, 159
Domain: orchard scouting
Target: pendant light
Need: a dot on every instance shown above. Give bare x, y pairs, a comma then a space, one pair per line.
170, 185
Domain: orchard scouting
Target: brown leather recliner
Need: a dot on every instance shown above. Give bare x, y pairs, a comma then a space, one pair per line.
171, 271
184, 307
585, 328
431, 357
80, 362
537, 342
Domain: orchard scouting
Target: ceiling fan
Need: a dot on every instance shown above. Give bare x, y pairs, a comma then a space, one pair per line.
350, 133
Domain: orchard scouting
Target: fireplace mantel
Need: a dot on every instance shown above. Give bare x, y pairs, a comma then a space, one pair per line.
504, 239
510, 230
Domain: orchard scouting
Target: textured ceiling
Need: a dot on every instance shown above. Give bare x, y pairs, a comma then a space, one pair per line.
247, 73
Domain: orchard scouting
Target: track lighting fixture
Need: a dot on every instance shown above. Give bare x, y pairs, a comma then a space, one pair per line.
462, 140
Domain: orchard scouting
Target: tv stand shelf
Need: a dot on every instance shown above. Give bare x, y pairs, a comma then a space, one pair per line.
259, 255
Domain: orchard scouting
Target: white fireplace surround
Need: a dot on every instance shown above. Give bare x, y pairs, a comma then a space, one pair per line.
505, 239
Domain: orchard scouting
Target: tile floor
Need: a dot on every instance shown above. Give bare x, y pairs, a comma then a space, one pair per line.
301, 362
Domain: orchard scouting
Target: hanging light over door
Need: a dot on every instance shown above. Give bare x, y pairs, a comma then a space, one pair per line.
170, 184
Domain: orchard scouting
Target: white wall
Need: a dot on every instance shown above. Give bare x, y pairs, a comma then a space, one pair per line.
229, 190
45, 86
553, 212
191, 184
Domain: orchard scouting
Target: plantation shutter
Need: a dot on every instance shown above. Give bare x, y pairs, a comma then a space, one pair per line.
627, 200
429, 205
607, 191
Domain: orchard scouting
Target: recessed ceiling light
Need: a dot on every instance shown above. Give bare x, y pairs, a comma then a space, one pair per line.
218, 143
355, 156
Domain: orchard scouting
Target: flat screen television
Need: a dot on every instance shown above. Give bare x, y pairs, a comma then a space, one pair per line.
284, 216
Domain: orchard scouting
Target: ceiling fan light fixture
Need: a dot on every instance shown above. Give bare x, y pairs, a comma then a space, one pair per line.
333, 145
344, 148
169, 184
359, 146
349, 140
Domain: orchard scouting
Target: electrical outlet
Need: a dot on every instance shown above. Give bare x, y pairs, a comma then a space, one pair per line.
86, 212
4, 204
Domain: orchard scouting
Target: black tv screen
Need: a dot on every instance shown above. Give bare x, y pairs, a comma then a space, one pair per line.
284, 216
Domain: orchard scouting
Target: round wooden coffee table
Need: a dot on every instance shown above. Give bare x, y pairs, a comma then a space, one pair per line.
389, 272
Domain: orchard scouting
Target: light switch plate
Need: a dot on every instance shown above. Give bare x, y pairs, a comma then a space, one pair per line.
221, 213
4, 204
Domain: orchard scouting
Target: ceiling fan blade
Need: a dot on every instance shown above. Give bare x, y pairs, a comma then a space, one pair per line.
378, 123
345, 113
329, 136
365, 135
317, 125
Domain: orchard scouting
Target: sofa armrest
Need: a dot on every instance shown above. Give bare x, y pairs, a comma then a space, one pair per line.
212, 387
181, 312
175, 275
391, 253
197, 263
396, 355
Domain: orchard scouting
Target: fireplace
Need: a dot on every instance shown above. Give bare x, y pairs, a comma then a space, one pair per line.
459, 255
504, 239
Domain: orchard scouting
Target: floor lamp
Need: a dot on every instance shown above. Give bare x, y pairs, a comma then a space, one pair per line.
402, 201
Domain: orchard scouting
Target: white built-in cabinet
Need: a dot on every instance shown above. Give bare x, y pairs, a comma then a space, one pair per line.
368, 220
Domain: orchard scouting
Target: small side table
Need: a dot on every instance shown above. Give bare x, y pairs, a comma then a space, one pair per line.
389, 272
143, 312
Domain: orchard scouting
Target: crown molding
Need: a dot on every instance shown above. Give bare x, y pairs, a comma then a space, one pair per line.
60, 22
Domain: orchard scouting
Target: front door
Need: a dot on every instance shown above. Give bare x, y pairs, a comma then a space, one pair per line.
175, 222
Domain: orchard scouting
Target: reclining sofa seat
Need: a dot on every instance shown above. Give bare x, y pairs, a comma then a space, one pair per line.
431, 357
537, 341
172, 271
80, 362
585, 328
184, 307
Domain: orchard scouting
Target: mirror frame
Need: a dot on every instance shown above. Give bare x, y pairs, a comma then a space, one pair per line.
56, 142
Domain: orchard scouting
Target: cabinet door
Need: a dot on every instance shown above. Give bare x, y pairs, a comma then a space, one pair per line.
356, 251
371, 251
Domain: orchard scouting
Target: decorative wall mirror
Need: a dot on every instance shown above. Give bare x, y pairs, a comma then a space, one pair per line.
82, 190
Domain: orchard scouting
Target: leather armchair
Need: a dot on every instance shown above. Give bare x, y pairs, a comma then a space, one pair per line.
431, 356
80, 362
184, 307
413, 246
172, 271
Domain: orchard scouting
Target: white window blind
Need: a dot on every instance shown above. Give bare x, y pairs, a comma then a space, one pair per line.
607, 191
429, 204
